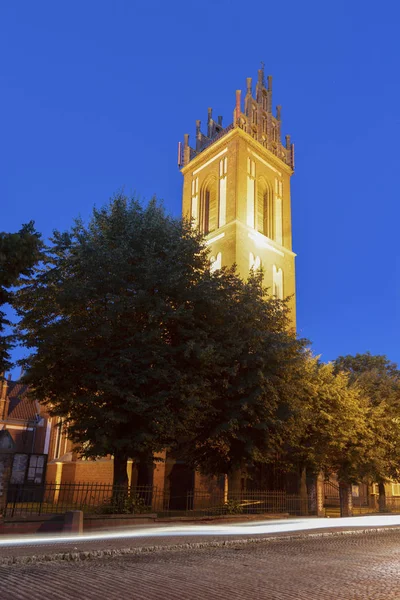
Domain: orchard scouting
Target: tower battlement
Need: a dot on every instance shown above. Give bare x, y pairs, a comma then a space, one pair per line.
256, 119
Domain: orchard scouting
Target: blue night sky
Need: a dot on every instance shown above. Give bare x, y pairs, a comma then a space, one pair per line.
96, 94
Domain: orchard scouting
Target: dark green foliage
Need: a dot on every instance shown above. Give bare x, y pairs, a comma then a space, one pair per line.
367, 363
109, 318
252, 379
123, 503
18, 254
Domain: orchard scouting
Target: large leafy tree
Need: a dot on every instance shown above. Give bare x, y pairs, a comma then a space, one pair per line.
378, 378
253, 379
331, 431
116, 351
18, 254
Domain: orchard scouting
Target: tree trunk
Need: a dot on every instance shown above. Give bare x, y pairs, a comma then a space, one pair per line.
382, 496
145, 479
226, 488
346, 499
120, 480
303, 492
145, 468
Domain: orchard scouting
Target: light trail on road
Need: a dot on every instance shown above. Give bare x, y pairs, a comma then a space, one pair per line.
269, 527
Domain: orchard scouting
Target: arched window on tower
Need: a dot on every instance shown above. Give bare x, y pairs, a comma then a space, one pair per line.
215, 262
264, 208
254, 261
208, 220
277, 284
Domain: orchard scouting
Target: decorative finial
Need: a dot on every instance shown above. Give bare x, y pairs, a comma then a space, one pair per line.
262, 70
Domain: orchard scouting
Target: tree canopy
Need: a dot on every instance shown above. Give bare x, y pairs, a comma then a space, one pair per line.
108, 317
18, 254
332, 432
255, 375
378, 380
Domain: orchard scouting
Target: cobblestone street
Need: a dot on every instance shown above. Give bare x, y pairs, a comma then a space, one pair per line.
340, 567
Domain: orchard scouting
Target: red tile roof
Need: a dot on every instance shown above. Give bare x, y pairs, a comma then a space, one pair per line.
21, 407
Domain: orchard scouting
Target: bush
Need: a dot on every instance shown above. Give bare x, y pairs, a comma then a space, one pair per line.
124, 504
232, 507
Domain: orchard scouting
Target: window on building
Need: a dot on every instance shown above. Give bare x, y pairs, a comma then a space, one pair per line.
208, 217
254, 261
396, 489
57, 444
216, 262
277, 284
264, 208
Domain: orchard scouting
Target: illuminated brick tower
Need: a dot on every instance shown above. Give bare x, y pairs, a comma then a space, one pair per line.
237, 189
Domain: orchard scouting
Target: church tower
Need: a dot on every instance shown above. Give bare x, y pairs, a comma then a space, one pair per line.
236, 189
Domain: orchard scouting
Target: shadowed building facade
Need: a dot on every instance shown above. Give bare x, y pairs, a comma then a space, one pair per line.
236, 189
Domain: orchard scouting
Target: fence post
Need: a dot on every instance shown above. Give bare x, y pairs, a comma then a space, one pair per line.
303, 493
319, 490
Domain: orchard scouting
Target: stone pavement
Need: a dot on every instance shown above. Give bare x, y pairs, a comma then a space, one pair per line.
153, 538
336, 567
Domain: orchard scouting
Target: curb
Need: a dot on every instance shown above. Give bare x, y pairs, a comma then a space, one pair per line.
81, 556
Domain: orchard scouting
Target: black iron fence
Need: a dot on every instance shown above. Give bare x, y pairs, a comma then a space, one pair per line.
392, 503
97, 498
53, 498
248, 502
360, 497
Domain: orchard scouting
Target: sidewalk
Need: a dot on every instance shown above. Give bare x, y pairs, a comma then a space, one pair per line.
174, 537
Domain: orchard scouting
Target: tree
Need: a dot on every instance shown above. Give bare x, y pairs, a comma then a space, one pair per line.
252, 379
329, 429
109, 316
379, 380
18, 254
331, 422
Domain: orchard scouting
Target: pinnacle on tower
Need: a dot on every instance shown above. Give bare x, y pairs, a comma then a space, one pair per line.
257, 120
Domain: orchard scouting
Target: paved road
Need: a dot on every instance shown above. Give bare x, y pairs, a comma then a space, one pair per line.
340, 567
